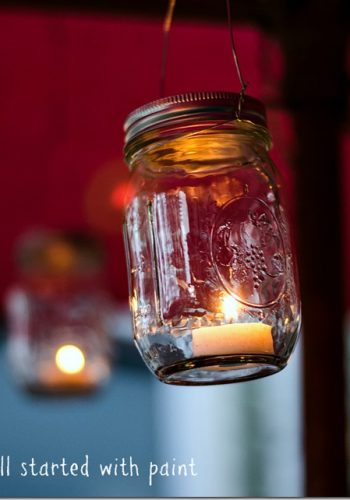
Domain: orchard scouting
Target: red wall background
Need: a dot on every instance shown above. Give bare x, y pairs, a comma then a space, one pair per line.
68, 82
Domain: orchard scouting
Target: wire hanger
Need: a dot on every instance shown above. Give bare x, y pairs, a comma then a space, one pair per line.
166, 30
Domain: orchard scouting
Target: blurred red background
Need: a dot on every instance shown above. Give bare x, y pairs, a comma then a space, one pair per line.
68, 82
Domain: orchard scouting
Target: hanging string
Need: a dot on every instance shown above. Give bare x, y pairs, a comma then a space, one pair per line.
243, 83
166, 28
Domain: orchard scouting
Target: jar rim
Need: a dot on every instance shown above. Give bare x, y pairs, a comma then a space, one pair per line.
199, 107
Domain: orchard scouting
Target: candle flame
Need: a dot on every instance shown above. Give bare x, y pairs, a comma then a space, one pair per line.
70, 359
230, 308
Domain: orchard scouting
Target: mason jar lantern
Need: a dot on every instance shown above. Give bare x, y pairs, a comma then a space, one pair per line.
58, 314
212, 276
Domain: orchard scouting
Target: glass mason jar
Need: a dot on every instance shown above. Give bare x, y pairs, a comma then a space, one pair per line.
213, 287
58, 314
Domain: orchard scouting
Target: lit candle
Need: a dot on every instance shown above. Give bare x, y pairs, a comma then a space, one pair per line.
70, 359
234, 338
68, 368
238, 338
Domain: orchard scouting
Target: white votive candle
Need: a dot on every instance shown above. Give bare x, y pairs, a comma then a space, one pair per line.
236, 338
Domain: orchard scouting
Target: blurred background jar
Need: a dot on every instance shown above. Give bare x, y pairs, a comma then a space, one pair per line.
213, 282
58, 313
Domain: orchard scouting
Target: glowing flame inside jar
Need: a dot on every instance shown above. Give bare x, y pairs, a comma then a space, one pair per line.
230, 308
234, 337
70, 359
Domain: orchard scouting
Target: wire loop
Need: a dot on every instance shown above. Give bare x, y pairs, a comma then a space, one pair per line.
166, 29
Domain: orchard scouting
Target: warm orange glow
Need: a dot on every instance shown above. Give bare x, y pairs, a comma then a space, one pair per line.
122, 194
230, 308
233, 338
60, 255
70, 359
103, 207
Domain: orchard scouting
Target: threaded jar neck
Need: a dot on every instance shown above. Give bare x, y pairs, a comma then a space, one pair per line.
172, 121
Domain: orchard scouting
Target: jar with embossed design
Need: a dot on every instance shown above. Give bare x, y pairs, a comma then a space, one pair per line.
212, 275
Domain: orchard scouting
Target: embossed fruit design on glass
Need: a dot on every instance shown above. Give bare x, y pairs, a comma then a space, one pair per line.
213, 288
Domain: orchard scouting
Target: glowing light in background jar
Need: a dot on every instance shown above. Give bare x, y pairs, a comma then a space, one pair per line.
70, 359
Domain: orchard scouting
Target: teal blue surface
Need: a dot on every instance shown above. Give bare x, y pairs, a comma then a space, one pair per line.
114, 423
245, 439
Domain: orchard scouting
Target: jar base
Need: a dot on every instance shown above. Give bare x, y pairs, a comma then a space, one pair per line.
227, 369
61, 390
